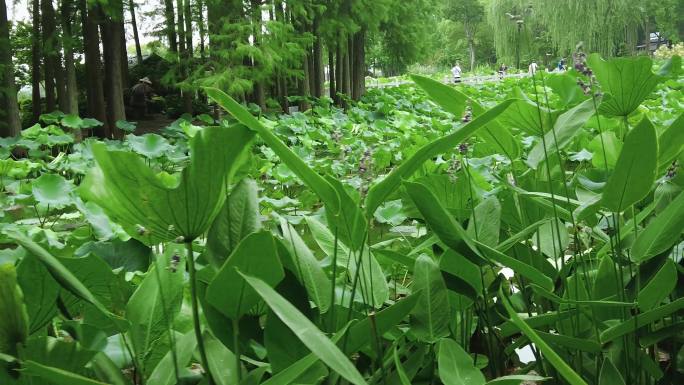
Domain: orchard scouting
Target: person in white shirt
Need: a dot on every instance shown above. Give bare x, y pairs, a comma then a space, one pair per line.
532, 68
456, 72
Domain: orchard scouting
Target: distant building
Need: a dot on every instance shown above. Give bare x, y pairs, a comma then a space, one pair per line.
656, 40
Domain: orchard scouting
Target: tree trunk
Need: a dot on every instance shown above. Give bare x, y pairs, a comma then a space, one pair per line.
134, 24
304, 91
111, 44
200, 25
170, 21
259, 94
93, 68
347, 67
48, 30
12, 126
358, 65
471, 51
331, 72
124, 50
188, 29
183, 56
35, 61
318, 70
339, 71
70, 70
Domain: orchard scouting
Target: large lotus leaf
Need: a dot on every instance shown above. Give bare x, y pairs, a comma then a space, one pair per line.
149, 145
627, 81
53, 190
150, 209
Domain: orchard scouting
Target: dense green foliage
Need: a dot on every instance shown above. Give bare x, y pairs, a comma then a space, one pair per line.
422, 236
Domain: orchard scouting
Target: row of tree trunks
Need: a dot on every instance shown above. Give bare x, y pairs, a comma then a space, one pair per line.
8, 93
347, 66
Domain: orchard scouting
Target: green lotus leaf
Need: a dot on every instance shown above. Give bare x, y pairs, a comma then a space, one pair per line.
153, 211
149, 145
53, 190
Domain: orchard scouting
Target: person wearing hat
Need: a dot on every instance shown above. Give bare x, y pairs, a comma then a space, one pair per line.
140, 93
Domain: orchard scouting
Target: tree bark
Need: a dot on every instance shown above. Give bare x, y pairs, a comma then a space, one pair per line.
358, 64
331, 72
136, 37
69, 68
124, 50
346, 67
111, 44
188, 29
48, 40
93, 68
471, 51
259, 94
183, 56
170, 17
12, 126
201, 27
318, 70
54, 69
35, 61
304, 91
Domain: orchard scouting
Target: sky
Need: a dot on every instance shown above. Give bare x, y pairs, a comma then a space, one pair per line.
20, 10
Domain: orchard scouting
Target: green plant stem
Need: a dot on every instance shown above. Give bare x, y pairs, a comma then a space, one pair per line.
172, 339
195, 312
236, 348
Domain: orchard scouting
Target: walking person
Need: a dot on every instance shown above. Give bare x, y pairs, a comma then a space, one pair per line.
456, 72
532, 69
140, 94
502, 70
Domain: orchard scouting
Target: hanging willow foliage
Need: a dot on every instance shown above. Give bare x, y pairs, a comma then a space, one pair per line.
602, 25
503, 16
609, 27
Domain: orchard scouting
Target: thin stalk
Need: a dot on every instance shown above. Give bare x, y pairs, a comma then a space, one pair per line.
333, 283
195, 312
172, 339
236, 347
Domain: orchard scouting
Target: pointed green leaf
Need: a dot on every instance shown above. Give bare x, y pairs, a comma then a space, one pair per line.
306, 267
658, 287
610, 375
314, 181
567, 126
238, 218
256, 255
55, 375
551, 356
641, 320
307, 332
65, 278
634, 172
456, 365
661, 233
431, 316
156, 302
382, 189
